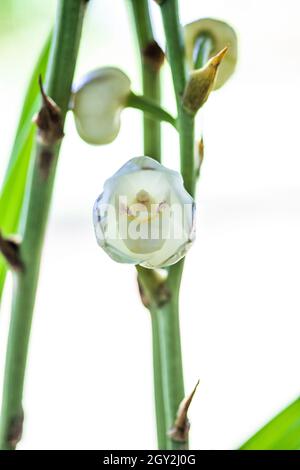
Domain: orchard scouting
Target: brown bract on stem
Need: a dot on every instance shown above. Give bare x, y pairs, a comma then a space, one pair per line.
10, 249
48, 120
200, 156
15, 430
49, 132
153, 55
180, 430
153, 289
201, 150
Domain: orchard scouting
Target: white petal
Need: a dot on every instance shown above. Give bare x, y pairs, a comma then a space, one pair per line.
152, 238
97, 103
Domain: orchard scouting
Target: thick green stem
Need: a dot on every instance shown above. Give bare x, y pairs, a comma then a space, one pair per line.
166, 341
166, 317
175, 47
150, 74
171, 361
60, 72
169, 318
152, 148
187, 149
169, 327
158, 382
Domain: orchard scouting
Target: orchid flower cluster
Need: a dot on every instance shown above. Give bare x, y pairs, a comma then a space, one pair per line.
145, 214
155, 196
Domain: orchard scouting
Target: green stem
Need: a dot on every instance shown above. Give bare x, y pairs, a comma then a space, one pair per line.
175, 47
187, 150
59, 80
171, 361
166, 343
169, 318
152, 110
150, 76
169, 328
152, 148
158, 382
150, 287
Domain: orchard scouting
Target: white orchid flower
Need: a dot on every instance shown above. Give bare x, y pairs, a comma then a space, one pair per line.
97, 102
144, 215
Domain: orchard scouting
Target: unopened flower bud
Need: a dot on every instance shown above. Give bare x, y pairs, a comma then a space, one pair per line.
200, 84
144, 215
222, 35
97, 102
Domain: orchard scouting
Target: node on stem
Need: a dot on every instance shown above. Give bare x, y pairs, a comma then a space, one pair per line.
10, 249
48, 120
153, 55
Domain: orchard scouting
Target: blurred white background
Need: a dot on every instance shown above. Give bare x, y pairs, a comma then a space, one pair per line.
89, 377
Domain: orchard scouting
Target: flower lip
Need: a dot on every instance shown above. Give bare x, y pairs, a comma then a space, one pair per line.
223, 35
161, 229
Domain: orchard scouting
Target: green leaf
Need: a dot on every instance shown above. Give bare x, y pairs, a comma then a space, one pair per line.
30, 105
281, 433
14, 184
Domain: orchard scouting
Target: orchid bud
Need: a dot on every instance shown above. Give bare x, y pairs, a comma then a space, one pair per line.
144, 215
222, 35
201, 83
97, 102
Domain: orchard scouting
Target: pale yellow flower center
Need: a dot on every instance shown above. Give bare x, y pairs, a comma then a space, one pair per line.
144, 208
